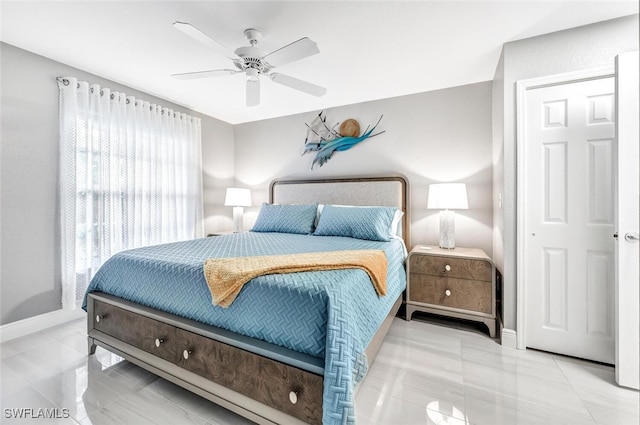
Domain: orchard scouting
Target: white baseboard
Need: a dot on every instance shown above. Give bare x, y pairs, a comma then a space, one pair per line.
38, 323
509, 338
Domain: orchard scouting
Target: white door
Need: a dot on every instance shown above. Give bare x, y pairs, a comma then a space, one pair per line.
627, 249
569, 218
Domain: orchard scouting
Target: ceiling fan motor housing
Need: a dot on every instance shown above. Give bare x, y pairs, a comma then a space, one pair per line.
251, 58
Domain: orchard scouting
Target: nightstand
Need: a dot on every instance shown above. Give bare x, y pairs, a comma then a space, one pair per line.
226, 232
456, 282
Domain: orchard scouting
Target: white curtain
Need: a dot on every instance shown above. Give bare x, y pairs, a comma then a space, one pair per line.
130, 176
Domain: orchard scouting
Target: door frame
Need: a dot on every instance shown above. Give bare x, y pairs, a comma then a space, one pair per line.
521, 114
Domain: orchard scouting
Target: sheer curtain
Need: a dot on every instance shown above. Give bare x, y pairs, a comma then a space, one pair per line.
130, 176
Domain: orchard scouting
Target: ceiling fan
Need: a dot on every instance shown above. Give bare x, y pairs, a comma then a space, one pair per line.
253, 62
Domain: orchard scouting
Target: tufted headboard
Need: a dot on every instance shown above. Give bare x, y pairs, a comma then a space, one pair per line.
392, 191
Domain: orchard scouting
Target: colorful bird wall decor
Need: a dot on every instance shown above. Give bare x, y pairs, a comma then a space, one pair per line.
325, 140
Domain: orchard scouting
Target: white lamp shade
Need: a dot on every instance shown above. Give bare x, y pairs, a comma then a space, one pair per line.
448, 196
237, 197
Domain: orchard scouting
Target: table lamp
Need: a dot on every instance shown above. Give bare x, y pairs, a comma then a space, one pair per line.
237, 198
447, 197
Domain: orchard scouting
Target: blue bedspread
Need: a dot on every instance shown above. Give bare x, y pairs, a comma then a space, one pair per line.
327, 314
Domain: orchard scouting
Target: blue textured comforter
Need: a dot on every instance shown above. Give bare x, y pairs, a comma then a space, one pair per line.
326, 314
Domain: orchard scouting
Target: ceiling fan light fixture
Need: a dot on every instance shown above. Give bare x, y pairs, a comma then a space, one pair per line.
253, 74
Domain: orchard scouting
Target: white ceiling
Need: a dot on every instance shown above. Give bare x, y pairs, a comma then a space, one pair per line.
368, 49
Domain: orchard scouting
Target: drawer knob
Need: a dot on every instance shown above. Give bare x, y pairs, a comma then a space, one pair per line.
293, 397
447, 268
159, 341
99, 318
186, 353
447, 293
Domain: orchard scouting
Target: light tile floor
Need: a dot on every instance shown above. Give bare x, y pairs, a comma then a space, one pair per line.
425, 373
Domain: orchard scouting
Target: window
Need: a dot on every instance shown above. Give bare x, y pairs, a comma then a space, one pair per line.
130, 176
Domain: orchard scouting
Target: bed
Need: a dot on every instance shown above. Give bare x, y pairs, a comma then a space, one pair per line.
292, 348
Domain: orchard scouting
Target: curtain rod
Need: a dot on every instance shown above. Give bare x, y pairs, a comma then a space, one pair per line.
66, 82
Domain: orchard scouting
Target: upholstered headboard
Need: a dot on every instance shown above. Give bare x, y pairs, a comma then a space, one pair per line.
392, 191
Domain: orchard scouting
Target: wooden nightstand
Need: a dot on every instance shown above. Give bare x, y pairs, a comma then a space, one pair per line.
226, 232
456, 282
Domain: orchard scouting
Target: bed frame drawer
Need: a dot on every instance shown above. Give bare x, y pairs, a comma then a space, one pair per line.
286, 388
150, 335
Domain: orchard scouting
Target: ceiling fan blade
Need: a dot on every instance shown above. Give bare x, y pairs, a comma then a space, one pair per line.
301, 85
253, 92
292, 52
198, 35
204, 74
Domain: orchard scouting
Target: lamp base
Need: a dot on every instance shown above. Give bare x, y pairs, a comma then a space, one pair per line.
447, 229
237, 219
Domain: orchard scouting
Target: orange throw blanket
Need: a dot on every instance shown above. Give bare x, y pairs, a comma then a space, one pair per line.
226, 276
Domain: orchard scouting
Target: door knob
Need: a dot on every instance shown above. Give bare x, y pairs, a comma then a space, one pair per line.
632, 237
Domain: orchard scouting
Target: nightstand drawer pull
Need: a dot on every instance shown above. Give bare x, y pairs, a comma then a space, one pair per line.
447, 293
186, 353
159, 341
100, 317
447, 268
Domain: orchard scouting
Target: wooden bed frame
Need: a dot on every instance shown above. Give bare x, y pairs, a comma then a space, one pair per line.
265, 383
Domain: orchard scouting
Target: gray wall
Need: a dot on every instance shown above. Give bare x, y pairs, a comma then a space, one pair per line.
438, 136
29, 211
585, 47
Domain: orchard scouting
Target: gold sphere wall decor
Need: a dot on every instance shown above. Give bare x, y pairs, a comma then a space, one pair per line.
350, 128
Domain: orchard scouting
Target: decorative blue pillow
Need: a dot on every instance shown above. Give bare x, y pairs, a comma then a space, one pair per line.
370, 223
286, 218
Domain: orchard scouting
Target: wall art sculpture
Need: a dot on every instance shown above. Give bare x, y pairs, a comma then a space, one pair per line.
325, 139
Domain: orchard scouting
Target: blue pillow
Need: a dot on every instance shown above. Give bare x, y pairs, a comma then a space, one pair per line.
286, 218
370, 223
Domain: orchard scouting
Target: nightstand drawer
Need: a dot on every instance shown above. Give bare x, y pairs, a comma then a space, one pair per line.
463, 268
474, 295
